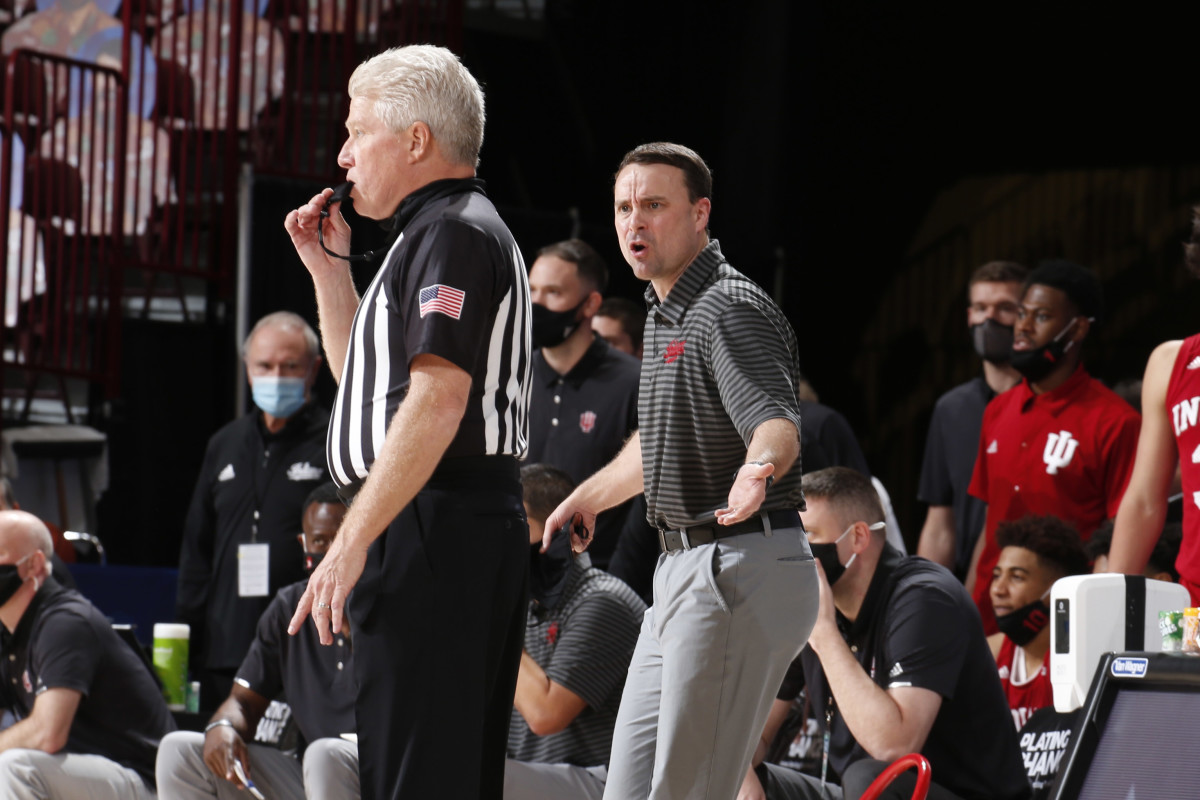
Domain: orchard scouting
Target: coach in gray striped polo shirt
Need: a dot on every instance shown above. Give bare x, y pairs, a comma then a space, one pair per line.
717, 454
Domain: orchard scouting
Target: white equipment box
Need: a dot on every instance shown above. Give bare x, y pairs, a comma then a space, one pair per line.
1097, 614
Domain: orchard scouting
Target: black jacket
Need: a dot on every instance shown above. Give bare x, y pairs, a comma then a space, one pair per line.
246, 470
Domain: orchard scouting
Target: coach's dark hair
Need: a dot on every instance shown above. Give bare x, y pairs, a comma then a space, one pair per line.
631, 315
591, 267
848, 490
544, 487
696, 173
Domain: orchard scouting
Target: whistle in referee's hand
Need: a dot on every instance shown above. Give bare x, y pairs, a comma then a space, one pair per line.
339, 194
575, 525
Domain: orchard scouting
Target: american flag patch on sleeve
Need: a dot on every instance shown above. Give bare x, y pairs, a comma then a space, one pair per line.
442, 299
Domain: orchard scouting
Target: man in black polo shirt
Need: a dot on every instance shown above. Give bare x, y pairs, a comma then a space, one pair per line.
897, 663
583, 403
317, 682
430, 419
736, 593
954, 518
239, 545
89, 715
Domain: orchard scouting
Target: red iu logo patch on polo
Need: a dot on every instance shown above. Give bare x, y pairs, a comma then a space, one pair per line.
674, 350
587, 421
552, 633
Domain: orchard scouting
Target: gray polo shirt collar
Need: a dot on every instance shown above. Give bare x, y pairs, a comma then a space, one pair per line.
694, 278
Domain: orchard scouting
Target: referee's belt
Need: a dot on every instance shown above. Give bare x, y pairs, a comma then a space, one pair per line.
696, 535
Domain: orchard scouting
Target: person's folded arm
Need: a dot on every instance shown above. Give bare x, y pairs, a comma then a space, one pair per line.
547, 707
888, 723
48, 725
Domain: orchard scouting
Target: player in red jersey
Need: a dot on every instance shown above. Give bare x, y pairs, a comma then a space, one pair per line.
1170, 436
1034, 553
1059, 442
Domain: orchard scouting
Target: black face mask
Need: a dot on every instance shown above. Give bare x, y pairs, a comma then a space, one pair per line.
1024, 624
11, 580
993, 341
312, 561
548, 571
1038, 363
826, 553
551, 328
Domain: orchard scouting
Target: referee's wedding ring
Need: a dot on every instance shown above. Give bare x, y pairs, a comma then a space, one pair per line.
322, 605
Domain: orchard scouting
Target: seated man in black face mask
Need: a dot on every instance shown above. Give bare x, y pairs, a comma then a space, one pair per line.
583, 402
896, 663
89, 716
318, 683
579, 638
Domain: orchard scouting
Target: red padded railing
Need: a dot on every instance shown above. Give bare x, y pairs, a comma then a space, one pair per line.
895, 769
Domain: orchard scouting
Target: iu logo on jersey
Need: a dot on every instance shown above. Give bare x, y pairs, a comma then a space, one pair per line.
1184, 413
587, 421
1060, 449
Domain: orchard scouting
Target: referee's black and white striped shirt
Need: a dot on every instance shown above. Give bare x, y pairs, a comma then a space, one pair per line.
453, 285
720, 359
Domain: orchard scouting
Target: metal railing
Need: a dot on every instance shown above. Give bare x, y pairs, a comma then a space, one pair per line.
63, 206
93, 196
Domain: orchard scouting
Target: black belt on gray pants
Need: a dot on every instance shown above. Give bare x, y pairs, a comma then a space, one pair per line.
696, 535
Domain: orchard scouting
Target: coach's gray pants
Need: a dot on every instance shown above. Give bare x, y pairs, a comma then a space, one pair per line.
329, 772
35, 775
728, 618
526, 780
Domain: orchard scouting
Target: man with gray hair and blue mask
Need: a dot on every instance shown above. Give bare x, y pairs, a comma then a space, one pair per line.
239, 541
430, 421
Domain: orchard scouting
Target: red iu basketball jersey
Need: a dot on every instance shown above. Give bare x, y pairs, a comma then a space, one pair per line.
1183, 405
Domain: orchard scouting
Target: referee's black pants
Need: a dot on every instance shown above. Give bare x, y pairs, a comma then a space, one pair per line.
439, 624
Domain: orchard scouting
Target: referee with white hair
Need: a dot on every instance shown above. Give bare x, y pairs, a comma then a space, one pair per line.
429, 422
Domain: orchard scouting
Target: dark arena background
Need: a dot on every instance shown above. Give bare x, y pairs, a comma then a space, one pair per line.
866, 160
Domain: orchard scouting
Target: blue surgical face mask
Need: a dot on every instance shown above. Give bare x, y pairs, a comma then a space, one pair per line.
277, 396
